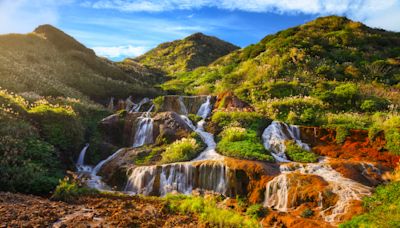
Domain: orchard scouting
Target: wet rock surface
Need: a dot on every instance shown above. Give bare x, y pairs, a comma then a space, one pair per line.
18, 210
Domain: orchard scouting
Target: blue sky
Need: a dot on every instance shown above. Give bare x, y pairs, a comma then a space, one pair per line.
126, 28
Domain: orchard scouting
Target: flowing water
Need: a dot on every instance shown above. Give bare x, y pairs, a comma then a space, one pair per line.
136, 107
277, 190
80, 163
183, 110
144, 131
207, 172
275, 135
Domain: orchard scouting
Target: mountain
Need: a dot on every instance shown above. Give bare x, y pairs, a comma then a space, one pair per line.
187, 54
49, 62
327, 49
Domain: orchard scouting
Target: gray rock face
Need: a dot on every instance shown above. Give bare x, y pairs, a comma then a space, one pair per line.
183, 105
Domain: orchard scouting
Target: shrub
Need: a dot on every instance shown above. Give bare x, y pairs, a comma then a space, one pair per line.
256, 211
382, 208
251, 120
341, 133
194, 118
373, 105
181, 150
298, 154
241, 143
307, 213
158, 102
69, 191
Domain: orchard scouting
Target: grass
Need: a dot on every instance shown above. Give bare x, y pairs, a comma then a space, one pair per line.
69, 191
209, 212
298, 154
251, 120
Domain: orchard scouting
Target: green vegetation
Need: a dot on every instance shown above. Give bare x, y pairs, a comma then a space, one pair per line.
69, 191
187, 54
48, 62
242, 143
181, 150
40, 138
209, 212
307, 213
383, 208
252, 120
298, 154
256, 211
194, 118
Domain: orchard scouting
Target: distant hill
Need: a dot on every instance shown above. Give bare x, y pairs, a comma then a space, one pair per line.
327, 49
187, 54
51, 63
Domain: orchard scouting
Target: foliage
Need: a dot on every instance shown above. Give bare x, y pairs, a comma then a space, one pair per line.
69, 191
158, 102
242, 143
256, 211
382, 208
251, 120
209, 212
307, 213
181, 150
298, 154
194, 118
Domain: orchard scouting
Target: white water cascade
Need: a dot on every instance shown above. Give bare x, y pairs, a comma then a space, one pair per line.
183, 110
205, 108
347, 190
136, 107
207, 172
144, 132
275, 135
80, 163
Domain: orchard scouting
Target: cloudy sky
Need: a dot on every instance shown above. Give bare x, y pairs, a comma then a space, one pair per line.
125, 28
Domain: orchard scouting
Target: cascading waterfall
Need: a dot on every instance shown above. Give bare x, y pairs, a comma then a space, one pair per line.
205, 108
111, 104
144, 132
183, 110
347, 190
178, 177
80, 163
275, 135
129, 104
136, 107
205, 172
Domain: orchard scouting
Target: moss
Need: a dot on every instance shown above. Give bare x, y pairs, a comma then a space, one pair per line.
69, 191
307, 213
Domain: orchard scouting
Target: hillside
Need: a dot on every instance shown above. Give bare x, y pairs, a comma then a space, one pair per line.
49, 62
187, 54
326, 49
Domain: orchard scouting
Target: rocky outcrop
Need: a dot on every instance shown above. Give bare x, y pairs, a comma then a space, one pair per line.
120, 129
183, 105
229, 102
356, 147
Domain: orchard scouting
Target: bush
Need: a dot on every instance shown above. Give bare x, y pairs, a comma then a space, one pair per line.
382, 208
307, 213
373, 105
194, 118
341, 133
241, 143
250, 120
256, 211
208, 211
298, 154
181, 150
69, 191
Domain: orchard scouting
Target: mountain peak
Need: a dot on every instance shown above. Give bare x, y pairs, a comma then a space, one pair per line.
187, 54
60, 39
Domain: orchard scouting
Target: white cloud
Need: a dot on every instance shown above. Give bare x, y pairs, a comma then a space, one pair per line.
21, 16
120, 51
377, 13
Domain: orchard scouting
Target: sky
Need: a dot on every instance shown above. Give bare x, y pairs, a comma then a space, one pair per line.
117, 29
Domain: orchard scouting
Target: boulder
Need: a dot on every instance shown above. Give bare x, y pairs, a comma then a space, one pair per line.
229, 102
183, 105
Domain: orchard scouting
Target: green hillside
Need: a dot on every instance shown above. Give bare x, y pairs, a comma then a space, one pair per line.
51, 63
187, 54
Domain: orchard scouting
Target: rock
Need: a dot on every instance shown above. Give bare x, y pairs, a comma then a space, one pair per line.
229, 102
191, 104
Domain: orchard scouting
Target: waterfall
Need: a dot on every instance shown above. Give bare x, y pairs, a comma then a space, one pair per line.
136, 107
144, 132
97, 168
275, 135
205, 108
178, 177
347, 190
183, 110
129, 104
207, 172
111, 104
81, 159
